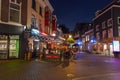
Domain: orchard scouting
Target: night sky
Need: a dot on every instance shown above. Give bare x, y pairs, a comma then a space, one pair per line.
69, 12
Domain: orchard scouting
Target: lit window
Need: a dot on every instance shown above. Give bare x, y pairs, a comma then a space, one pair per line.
98, 36
104, 34
118, 20
103, 25
97, 27
109, 22
33, 20
110, 32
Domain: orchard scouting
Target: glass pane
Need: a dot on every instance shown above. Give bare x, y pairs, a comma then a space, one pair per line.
14, 48
14, 15
3, 49
3, 46
14, 6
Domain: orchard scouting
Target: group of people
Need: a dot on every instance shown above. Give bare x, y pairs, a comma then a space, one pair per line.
67, 55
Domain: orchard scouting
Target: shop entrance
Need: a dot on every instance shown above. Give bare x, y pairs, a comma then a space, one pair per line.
36, 48
14, 49
14, 46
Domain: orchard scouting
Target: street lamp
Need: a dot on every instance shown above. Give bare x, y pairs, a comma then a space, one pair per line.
53, 34
70, 36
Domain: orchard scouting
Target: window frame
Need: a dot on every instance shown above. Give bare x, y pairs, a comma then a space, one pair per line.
110, 22
18, 10
97, 28
118, 19
103, 25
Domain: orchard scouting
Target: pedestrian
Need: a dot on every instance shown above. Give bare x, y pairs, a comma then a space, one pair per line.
40, 55
61, 54
71, 55
67, 55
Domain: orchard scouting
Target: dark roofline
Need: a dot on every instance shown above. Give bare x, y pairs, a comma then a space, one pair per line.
114, 2
109, 5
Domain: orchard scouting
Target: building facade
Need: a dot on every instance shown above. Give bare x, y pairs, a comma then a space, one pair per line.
84, 33
11, 32
106, 28
22, 22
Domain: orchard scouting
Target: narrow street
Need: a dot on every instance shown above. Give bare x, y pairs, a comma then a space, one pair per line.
86, 67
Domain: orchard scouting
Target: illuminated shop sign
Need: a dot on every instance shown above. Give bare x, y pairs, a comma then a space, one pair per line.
116, 46
35, 32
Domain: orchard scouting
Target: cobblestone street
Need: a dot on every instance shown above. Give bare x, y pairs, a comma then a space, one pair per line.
87, 67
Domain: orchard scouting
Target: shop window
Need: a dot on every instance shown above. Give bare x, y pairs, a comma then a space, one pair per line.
14, 12
104, 34
98, 36
14, 46
3, 46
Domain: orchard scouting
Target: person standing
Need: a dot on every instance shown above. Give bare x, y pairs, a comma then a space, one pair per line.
67, 55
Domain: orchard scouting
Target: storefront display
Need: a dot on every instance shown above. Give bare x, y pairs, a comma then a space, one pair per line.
3, 49
9, 45
3, 46
14, 47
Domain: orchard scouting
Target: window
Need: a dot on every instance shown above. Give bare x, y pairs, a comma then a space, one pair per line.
14, 12
34, 4
83, 40
110, 32
98, 36
33, 20
97, 27
109, 22
40, 25
40, 11
103, 25
104, 34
